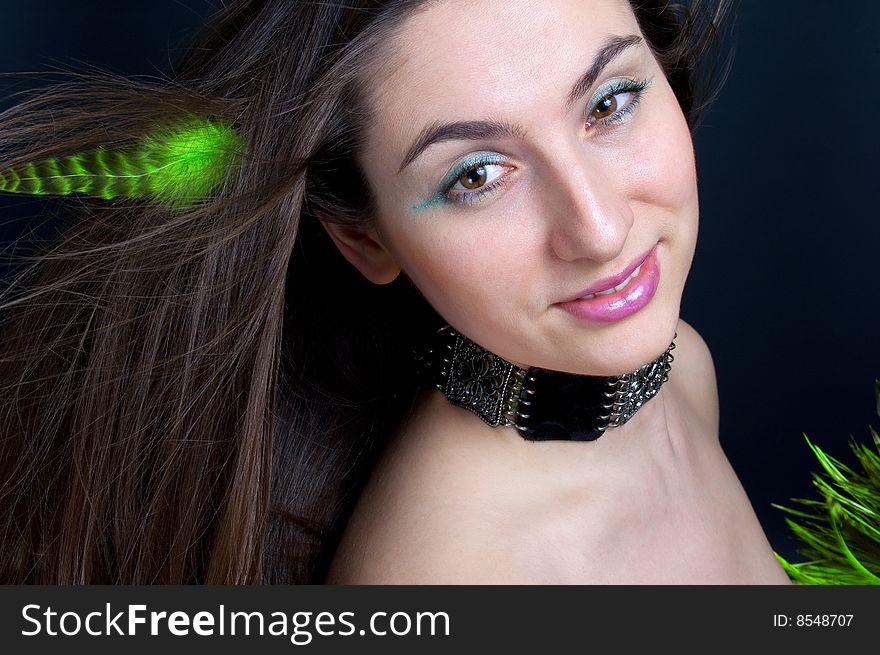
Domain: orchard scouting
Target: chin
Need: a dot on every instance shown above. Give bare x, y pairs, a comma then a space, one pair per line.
620, 347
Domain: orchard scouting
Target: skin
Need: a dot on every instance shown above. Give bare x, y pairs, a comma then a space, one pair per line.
580, 200
577, 206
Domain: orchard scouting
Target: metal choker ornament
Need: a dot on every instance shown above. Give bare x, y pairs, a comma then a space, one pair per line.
541, 403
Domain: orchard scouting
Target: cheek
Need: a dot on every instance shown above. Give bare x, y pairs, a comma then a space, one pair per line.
459, 266
662, 164
662, 186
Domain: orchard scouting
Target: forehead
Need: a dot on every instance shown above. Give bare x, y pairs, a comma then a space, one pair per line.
457, 60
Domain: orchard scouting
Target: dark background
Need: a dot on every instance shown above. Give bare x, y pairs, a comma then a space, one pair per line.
783, 286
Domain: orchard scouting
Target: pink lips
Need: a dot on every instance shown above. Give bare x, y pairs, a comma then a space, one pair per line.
615, 306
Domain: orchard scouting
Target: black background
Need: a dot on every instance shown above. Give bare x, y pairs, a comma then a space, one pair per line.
783, 286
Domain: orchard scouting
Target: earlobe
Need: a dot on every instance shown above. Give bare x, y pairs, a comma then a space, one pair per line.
364, 251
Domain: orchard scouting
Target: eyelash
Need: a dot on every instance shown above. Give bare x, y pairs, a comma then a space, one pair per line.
482, 159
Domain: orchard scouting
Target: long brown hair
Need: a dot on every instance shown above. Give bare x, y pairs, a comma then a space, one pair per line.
198, 396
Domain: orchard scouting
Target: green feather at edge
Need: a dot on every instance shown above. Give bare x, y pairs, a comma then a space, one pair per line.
841, 531
177, 165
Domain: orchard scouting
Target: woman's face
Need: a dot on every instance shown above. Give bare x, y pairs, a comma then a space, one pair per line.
560, 158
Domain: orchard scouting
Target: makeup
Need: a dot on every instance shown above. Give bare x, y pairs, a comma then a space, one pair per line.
618, 296
487, 161
609, 92
487, 165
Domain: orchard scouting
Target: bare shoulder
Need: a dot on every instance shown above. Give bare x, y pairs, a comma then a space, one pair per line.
428, 516
693, 373
386, 550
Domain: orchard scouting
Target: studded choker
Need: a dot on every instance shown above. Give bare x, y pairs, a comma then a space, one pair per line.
541, 403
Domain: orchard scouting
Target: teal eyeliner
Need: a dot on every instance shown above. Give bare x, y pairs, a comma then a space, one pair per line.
476, 159
620, 86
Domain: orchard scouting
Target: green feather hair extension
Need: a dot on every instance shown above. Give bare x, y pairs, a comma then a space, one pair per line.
842, 531
177, 165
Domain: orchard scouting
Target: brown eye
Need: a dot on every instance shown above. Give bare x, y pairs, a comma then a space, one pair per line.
473, 178
606, 107
477, 178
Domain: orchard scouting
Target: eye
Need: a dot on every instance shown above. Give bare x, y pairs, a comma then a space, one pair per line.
476, 177
470, 180
610, 105
616, 102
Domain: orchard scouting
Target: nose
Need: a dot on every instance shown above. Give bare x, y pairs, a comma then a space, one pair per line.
590, 216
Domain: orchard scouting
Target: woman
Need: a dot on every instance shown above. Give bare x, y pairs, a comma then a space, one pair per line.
200, 393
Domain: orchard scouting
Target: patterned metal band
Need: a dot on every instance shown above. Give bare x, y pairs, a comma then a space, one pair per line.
542, 404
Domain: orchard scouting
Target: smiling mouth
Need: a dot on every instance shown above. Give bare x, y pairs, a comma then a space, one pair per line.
615, 283
606, 301
619, 287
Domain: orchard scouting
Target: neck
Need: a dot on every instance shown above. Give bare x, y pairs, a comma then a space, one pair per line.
646, 438
542, 404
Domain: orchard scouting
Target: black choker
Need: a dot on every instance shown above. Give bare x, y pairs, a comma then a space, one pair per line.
541, 403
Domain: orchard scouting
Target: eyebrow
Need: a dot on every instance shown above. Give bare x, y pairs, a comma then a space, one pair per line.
490, 129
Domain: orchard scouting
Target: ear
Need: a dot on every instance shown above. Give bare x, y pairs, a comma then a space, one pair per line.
363, 250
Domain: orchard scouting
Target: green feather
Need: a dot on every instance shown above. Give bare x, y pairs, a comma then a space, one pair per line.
841, 531
176, 165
